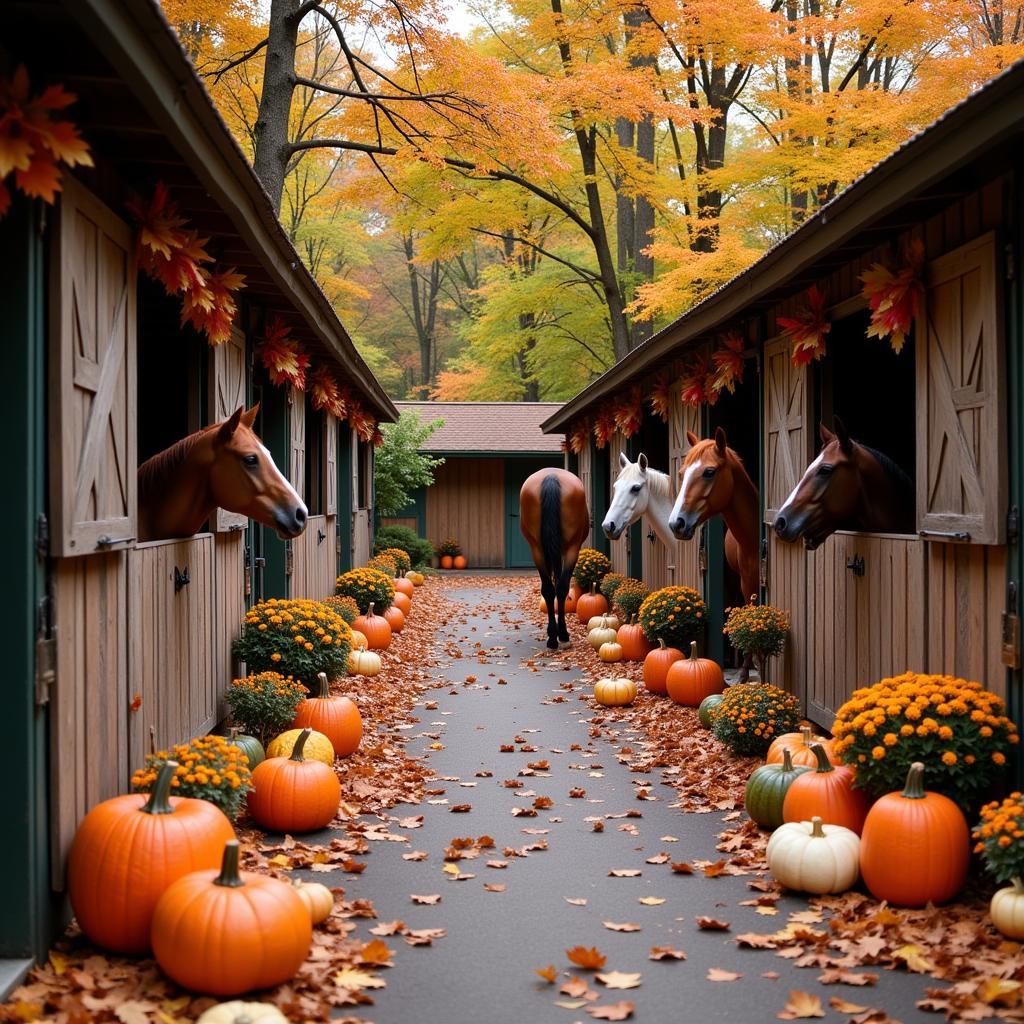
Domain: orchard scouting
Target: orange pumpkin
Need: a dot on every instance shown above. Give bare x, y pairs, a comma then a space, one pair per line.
291, 794
915, 846
570, 604
591, 604
375, 628
633, 642
126, 852
575, 591
799, 744
230, 932
395, 618
827, 793
446, 561
337, 718
689, 680
403, 585
403, 602
459, 562
657, 664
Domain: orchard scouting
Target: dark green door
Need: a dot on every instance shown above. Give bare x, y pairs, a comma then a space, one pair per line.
517, 551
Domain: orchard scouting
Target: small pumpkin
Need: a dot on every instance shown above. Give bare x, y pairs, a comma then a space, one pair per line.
446, 561
337, 718
1007, 910
459, 562
395, 618
317, 746
689, 680
248, 745
291, 794
605, 621
615, 692
610, 652
318, 898
375, 628
402, 602
657, 664
915, 846
128, 849
230, 932
635, 646
812, 857
602, 635
591, 604
359, 641
766, 791
364, 663
418, 579
575, 591
239, 1012
799, 744
706, 710
404, 585
826, 792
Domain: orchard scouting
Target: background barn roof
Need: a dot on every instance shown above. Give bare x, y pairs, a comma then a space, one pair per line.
498, 428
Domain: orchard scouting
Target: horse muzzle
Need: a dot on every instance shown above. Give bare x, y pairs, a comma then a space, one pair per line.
611, 531
289, 523
684, 528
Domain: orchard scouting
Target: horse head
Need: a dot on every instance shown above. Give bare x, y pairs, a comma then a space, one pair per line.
706, 483
631, 494
827, 496
244, 479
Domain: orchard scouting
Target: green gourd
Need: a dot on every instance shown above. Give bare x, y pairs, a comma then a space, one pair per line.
249, 745
767, 788
707, 707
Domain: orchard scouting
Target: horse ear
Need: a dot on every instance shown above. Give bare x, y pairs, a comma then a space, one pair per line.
692, 438
844, 437
623, 461
230, 425
249, 418
826, 435
642, 462
720, 440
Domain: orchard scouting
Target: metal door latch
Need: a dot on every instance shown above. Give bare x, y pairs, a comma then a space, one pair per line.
1010, 648
181, 578
856, 565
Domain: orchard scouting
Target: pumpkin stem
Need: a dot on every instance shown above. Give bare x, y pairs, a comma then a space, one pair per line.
661, 644
816, 830
300, 744
369, 611
593, 588
787, 761
325, 686
914, 788
229, 876
159, 802
1018, 885
824, 764
693, 650
805, 732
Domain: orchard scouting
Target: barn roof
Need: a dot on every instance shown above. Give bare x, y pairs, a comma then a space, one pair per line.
145, 112
925, 173
492, 428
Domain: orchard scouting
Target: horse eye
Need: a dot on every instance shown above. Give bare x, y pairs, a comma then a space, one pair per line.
709, 472
635, 489
825, 469
251, 460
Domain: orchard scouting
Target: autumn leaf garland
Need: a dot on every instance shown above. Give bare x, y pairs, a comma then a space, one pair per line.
807, 329
894, 296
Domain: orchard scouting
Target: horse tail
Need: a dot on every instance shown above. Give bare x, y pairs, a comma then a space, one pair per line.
551, 525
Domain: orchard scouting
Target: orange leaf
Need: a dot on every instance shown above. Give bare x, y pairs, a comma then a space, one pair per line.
801, 1006
589, 959
712, 924
717, 974
549, 974
376, 952
621, 1010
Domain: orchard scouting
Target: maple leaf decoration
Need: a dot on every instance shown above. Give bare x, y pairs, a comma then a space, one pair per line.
281, 356
604, 427
661, 397
695, 388
213, 311
629, 412
579, 435
324, 393
808, 328
728, 364
32, 144
361, 421
894, 296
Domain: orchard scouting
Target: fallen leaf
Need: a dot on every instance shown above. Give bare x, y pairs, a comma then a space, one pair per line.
717, 974
714, 870
427, 901
615, 926
665, 953
353, 979
460, 808
999, 991
376, 952
616, 979
578, 989
651, 901
549, 974
801, 1006
576, 901
844, 977
712, 924
588, 959
682, 868
911, 956
621, 1010
415, 855
494, 887
624, 873
844, 1005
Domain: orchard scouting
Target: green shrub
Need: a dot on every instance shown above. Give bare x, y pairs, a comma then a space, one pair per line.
630, 594
420, 551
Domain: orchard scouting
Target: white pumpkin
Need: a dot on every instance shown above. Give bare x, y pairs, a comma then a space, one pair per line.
615, 692
1007, 910
238, 1012
606, 621
815, 858
601, 635
363, 663
318, 898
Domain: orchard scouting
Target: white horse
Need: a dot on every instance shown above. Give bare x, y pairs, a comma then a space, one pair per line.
639, 490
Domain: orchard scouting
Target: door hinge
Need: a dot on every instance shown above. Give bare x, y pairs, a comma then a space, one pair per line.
763, 563
42, 536
46, 650
1013, 524
1010, 647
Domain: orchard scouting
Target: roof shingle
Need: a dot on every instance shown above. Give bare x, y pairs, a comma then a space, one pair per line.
511, 428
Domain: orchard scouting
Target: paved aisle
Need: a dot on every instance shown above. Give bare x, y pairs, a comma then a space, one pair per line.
482, 971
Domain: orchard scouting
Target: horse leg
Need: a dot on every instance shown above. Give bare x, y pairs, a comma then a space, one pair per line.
547, 589
564, 581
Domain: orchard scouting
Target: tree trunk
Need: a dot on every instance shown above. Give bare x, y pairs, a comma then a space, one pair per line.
271, 131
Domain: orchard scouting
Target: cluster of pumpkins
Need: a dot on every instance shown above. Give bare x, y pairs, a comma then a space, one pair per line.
372, 632
910, 847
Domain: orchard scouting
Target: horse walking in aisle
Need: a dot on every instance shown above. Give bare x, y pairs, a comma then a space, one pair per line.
849, 486
640, 490
221, 466
555, 520
715, 482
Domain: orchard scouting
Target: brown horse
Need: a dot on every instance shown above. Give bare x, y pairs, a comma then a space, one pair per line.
714, 482
847, 487
555, 521
221, 466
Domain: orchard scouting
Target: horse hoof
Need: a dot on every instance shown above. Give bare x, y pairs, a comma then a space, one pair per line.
552, 644
565, 643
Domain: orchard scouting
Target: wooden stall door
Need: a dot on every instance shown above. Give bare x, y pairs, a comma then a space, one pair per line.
298, 583
787, 452
362, 540
619, 550
586, 476
227, 393
684, 558
171, 667
228, 609
313, 553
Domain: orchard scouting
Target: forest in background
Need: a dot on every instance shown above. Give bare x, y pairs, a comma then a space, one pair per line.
503, 215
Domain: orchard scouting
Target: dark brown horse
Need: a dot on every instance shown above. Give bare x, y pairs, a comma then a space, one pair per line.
715, 482
849, 486
555, 521
221, 466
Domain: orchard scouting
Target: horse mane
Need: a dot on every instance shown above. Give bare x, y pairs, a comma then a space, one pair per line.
157, 470
890, 467
659, 483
